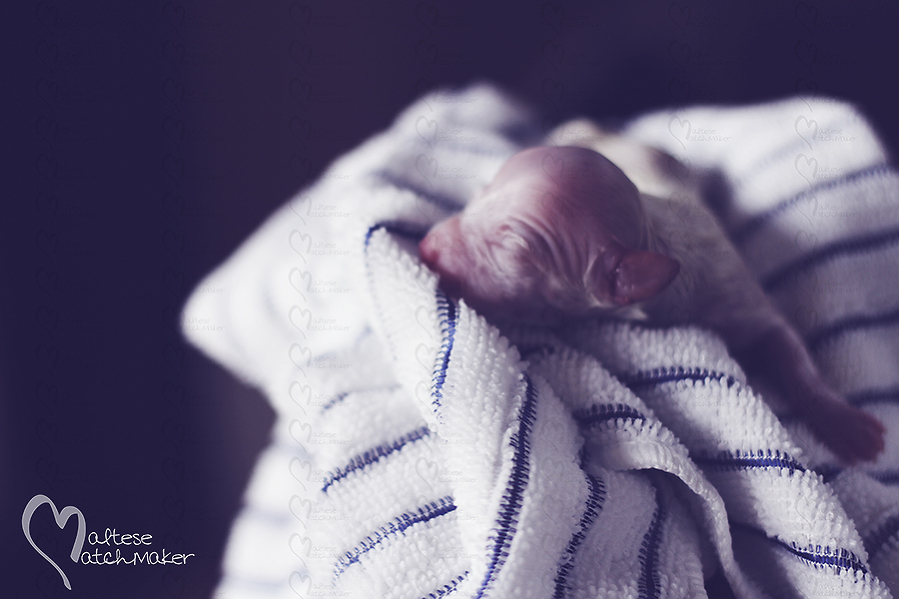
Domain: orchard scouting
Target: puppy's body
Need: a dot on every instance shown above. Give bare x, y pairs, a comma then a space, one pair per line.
713, 287
606, 226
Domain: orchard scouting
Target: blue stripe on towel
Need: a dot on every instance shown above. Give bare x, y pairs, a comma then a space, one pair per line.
426, 513
869, 396
598, 413
475, 146
592, 507
510, 506
792, 147
889, 477
375, 454
265, 515
333, 402
849, 324
449, 320
838, 558
737, 461
648, 583
543, 348
830, 471
439, 200
660, 376
258, 584
397, 227
824, 254
875, 541
340, 398
754, 224
448, 588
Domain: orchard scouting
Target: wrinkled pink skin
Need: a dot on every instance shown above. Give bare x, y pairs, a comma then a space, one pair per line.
529, 247
560, 234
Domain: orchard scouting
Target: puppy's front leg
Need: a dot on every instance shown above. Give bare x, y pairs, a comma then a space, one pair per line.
849, 432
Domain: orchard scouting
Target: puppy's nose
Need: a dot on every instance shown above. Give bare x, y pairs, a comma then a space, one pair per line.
428, 251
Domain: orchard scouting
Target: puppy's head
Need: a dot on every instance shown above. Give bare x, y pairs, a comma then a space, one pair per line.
558, 230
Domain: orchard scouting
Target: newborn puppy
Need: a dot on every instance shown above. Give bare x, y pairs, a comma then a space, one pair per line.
561, 233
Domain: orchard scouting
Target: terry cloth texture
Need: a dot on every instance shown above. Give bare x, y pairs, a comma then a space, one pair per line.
420, 452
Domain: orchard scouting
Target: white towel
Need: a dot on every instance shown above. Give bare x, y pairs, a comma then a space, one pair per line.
420, 452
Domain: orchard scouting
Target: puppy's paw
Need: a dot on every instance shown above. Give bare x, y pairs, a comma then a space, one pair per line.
849, 432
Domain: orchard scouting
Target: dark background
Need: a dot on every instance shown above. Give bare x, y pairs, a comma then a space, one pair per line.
147, 140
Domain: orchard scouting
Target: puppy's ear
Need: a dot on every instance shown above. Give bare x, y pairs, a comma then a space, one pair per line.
442, 242
641, 275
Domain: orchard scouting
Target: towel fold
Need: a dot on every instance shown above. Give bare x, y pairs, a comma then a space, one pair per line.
421, 452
